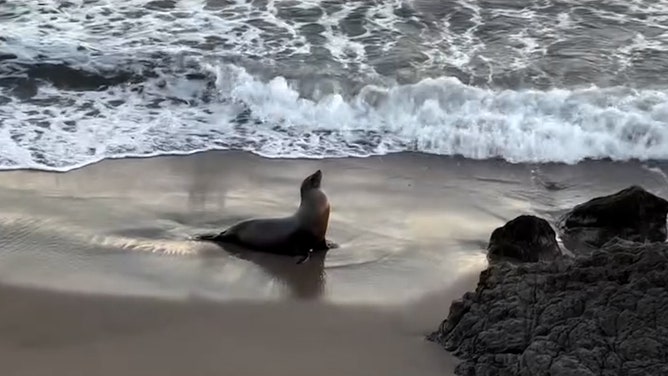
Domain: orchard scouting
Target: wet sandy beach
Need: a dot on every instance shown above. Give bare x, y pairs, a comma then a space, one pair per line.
99, 277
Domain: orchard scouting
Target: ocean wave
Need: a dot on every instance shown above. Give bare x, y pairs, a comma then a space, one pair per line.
223, 107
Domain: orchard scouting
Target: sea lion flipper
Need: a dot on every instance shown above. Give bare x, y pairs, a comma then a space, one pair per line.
330, 244
304, 258
325, 245
220, 236
204, 236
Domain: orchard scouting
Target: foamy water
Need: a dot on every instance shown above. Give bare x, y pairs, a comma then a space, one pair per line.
555, 82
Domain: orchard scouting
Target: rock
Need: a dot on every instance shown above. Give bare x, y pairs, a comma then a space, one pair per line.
526, 238
631, 214
568, 366
599, 314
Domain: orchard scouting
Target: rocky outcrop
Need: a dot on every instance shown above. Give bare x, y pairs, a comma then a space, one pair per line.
602, 314
631, 214
526, 238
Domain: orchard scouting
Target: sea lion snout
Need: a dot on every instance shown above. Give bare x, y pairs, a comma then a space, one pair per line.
317, 177
312, 181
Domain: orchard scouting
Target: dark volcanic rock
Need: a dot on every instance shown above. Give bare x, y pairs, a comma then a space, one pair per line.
526, 238
602, 314
631, 214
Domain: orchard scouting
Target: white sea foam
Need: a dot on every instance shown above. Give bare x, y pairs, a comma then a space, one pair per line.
274, 112
441, 116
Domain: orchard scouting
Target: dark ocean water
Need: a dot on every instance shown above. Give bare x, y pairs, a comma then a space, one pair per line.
526, 81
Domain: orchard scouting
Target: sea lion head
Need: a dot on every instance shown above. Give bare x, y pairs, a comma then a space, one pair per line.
311, 182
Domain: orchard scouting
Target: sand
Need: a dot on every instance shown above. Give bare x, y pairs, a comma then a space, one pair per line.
98, 277
49, 333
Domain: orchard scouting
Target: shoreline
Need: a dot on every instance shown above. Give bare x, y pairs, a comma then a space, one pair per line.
384, 208
398, 154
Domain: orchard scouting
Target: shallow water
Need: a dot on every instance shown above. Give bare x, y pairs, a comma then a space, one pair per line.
407, 224
105, 251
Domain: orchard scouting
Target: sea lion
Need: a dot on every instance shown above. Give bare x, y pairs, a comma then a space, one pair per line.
295, 235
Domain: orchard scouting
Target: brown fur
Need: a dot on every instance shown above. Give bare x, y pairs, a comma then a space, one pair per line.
297, 234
